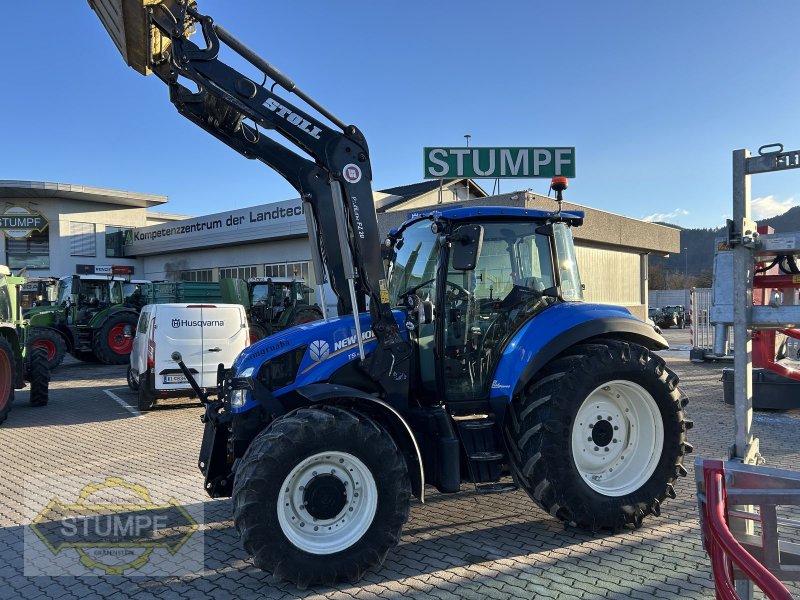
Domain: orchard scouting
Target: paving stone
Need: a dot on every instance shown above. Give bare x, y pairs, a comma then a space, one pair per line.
466, 546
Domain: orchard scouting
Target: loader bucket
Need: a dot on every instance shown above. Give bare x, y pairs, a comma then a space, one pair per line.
126, 22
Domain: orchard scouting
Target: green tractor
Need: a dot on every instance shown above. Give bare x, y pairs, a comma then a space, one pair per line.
93, 318
37, 291
13, 351
272, 303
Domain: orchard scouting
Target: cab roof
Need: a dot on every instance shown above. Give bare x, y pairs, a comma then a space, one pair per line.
493, 213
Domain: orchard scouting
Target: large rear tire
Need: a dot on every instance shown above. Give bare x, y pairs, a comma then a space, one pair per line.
307, 315
257, 332
113, 341
321, 495
51, 342
39, 377
7, 377
598, 438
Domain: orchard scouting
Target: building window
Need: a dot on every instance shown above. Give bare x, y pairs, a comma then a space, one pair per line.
238, 272
82, 239
115, 240
295, 270
197, 275
32, 252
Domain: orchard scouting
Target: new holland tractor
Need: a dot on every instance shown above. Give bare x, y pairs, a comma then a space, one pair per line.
473, 356
91, 318
14, 352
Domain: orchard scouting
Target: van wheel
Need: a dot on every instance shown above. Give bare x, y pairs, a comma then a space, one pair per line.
39, 377
321, 495
7, 377
145, 399
113, 341
131, 381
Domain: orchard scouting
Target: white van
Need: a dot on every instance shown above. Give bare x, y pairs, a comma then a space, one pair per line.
205, 335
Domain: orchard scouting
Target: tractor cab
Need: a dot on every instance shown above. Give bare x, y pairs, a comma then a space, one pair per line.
470, 278
86, 295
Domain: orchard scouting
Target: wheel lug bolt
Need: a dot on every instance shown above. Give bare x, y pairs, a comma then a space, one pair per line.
314, 473
609, 418
596, 448
616, 427
599, 418
591, 425
605, 449
614, 440
588, 439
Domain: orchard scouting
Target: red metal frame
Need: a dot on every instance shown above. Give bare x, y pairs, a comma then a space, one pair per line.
722, 547
764, 341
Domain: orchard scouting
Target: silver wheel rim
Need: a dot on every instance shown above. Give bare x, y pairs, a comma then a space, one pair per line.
617, 438
327, 536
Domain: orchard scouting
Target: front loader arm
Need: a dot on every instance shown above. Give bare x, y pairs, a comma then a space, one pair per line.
335, 182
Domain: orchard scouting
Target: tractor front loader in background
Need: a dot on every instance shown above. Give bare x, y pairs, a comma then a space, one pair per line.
472, 356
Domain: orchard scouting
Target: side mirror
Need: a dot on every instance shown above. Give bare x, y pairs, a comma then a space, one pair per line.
467, 241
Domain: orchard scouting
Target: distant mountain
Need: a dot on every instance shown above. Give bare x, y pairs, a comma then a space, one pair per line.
699, 255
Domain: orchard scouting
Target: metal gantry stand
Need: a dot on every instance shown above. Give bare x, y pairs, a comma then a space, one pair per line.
746, 242
733, 305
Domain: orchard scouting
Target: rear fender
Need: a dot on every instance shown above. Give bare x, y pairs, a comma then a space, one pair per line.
388, 417
100, 318
538, 343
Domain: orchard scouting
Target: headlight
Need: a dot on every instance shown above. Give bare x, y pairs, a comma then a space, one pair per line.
247, 372
238, 398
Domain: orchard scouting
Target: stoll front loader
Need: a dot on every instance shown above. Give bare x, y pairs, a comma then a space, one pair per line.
476, 356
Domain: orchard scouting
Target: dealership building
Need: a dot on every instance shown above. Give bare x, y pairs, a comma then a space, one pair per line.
54, 229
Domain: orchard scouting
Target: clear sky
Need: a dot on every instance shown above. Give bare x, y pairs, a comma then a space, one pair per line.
653, 95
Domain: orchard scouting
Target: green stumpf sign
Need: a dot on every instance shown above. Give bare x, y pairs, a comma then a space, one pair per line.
499, 163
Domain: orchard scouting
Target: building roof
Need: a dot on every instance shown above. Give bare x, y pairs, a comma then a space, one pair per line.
405, 193
10, 188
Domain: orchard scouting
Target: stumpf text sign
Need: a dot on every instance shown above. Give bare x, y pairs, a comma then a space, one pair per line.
502, 163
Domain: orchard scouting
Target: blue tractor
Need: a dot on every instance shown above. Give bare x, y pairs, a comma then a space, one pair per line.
463, 352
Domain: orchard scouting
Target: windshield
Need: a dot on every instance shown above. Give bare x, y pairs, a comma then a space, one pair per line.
571, 288
415, 261
5, 301
64, 291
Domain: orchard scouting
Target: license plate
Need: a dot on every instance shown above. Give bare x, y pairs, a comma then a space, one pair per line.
175, 379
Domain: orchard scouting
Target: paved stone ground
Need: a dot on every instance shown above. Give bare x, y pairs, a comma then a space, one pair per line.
468, 546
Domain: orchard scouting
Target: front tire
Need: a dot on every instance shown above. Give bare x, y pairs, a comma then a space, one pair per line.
132, 384
598, 439
145, 399
321, 495
51, 342
39, 377
113, 341
7, 377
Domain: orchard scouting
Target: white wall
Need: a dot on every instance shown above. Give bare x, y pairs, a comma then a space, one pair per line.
60, 213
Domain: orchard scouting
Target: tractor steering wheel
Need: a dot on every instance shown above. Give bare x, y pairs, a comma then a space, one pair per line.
462, 294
